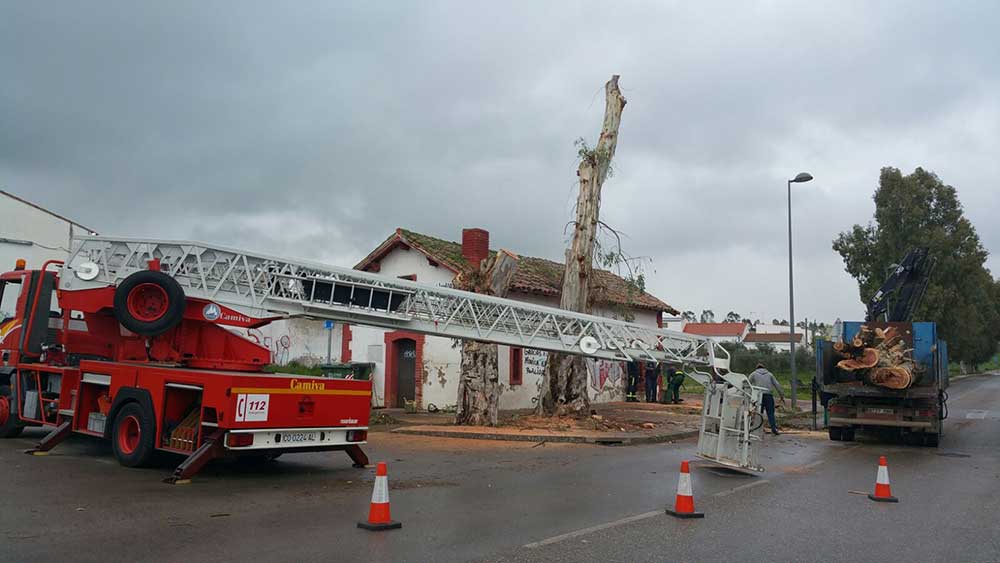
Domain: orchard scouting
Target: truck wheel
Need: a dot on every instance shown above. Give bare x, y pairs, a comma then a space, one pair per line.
836, 433
10, 427
132, 436
149, 303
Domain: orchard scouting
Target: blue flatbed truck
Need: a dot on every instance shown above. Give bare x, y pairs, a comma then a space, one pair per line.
914, 414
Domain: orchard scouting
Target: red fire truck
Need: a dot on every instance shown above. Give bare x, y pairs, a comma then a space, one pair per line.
142, 365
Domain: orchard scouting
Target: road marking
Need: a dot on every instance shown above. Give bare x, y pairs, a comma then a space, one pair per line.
740, 488
637, 517
599, 527
980, 415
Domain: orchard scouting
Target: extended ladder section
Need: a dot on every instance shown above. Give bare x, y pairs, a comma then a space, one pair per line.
265, 286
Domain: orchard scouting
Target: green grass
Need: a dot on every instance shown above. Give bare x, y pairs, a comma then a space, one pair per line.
954, 368
294, 369
805, 383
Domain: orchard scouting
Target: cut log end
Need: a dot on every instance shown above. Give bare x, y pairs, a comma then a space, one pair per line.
867, 359
896, 377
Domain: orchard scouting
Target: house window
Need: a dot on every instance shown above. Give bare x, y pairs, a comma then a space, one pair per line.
411, 277
516, 366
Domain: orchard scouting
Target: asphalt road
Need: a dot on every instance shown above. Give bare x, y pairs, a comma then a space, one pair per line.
464, 500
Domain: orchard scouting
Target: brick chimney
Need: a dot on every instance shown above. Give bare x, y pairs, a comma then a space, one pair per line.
475, 245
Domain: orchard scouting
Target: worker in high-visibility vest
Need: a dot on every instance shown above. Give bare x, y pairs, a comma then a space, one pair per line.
674, 382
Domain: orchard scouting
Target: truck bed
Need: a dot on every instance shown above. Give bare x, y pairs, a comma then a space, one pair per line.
857, 389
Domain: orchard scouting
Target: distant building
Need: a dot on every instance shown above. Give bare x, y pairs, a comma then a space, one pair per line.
780, 341
719, 332
33, 233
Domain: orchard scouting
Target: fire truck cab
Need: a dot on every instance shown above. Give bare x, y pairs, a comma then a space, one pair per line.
142, 365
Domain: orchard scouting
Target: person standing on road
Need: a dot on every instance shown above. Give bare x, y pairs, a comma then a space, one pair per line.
632, 382
650, 369
763, 378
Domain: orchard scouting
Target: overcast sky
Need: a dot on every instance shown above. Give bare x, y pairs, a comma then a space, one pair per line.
315, 129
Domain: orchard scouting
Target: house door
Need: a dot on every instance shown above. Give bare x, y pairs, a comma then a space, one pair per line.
406, 371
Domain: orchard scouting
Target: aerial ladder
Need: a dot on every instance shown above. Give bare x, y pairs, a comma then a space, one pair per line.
232, 287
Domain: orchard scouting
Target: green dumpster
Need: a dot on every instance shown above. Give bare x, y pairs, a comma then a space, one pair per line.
349, 370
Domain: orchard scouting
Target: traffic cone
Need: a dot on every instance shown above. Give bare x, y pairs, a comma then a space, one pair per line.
684, 505
882, 491
378, 513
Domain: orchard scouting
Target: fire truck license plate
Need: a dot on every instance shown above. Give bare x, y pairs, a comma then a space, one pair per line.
298, 437
880, 411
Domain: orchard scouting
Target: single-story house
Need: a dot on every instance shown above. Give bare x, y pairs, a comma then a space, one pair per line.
425, 369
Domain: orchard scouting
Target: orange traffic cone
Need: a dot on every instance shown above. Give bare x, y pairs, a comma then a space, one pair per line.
882, 491
378, 513
684, 505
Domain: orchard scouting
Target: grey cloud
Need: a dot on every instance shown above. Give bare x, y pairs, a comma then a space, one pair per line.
315, 129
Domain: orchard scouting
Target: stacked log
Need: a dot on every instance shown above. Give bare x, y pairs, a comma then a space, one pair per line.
879, 357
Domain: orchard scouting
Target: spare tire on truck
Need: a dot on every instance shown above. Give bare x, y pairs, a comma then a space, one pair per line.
149, 303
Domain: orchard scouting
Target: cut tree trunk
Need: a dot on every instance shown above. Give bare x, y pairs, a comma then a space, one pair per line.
878, 357
479, 385
564, 386
479, 379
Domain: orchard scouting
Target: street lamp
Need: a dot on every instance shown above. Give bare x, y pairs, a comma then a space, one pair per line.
798, 179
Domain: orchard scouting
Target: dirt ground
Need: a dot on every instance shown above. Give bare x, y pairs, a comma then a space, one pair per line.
614, 417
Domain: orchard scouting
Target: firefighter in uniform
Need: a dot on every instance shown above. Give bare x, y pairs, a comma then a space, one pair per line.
632, 383
649, 372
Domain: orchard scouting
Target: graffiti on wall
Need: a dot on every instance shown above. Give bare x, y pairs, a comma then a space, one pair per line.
534, 362
606, 377
603, 372
279, 346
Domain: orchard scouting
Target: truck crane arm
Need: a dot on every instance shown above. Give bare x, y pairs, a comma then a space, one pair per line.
263, 287
907, 283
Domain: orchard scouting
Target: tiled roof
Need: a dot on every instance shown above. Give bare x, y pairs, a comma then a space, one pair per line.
715, 329
534, 275
755, 337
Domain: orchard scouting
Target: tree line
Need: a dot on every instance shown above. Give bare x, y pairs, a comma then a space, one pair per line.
962, 297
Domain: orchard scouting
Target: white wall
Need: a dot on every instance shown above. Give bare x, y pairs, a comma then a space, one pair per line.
401, 262
298, 340
368, 343
42, 236
442, 367
49, 235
